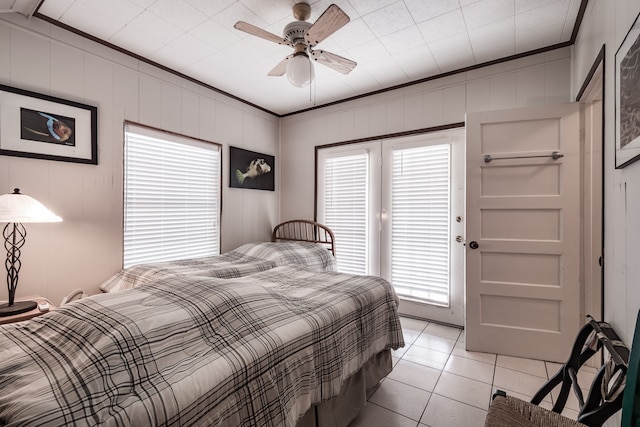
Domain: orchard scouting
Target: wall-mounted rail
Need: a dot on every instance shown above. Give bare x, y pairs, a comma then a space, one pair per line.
555, 156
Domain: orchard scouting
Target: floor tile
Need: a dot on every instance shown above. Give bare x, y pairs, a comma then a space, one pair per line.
517, 381
394, 360
586, 374
437, 381
465, 390
434, 342
552, 368
414, 325
373, 415
425, 356
401, 351
528, 366
442, 331
572, 400
401, 398
459, 350
409, 336
444, 412
415, 375
470, 368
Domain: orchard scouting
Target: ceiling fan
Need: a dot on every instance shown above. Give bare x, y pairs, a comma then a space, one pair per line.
303, 36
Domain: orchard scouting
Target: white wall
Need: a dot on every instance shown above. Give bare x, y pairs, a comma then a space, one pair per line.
607, 22
533, 80
86, 248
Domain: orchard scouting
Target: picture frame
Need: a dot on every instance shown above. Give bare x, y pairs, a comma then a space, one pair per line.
248, 169
627, 98
45, 127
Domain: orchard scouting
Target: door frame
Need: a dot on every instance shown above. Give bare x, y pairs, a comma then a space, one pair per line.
591, 95
458, 227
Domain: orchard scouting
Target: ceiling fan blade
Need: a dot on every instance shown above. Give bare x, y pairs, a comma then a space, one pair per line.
281, 68
259, 32
329, 22
331, 60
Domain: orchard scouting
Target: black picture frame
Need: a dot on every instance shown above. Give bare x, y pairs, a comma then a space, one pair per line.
45, 127
249, 169
627, 98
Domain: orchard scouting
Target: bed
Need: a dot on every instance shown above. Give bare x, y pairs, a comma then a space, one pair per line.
288, 345
296, 242
247, 259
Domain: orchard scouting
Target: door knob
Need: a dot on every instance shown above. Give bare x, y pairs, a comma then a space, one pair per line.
474, 245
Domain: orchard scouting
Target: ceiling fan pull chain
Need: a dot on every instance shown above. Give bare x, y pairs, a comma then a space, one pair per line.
312, 92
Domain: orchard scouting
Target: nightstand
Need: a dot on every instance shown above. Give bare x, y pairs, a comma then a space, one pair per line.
29, 314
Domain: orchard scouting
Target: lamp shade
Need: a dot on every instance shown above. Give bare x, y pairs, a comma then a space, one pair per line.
300, 70
17, 207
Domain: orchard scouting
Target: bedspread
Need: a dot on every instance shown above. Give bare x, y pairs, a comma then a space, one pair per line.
254, 351
247, 259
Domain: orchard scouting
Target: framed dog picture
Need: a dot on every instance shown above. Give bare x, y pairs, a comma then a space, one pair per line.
45, 127
248, 169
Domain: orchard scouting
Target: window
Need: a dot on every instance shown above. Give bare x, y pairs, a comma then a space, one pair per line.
171, 197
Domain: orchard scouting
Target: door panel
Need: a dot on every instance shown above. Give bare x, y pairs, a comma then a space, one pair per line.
452, 311
523, 210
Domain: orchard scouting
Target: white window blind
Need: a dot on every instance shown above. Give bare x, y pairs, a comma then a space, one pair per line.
345, 209
171, 197
420, 223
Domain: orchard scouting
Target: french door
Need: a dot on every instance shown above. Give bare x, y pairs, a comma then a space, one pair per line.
396, 207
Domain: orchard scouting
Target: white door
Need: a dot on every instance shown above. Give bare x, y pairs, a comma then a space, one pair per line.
390, 217
523, 231
422, 213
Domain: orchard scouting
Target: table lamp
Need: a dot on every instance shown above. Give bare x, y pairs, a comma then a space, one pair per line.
15, 209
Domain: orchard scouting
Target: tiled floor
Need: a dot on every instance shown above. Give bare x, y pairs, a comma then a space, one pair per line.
437, 383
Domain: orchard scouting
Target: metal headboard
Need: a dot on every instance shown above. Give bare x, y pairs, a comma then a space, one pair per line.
303, 230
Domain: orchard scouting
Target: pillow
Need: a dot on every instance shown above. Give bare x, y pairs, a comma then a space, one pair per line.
305, 254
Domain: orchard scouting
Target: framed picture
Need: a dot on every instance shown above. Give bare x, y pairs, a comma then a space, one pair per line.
248, 169
45, 127
627, 75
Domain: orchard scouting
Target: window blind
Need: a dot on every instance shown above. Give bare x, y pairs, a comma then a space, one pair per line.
420, 223
345, 209
171, 197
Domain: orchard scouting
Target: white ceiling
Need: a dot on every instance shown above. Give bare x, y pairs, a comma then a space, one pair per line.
393, 41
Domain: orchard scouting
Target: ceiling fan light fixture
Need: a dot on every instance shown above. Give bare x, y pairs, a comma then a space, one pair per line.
300, 70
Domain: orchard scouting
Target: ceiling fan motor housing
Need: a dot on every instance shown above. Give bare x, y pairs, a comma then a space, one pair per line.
294, 31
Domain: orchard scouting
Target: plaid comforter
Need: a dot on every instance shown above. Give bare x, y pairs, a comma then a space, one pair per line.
259, 350
247, 259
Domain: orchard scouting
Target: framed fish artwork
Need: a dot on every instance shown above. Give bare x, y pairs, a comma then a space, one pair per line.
45, 127
627, 93
248, 169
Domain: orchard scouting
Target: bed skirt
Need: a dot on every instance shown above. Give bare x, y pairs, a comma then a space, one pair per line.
340, 410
